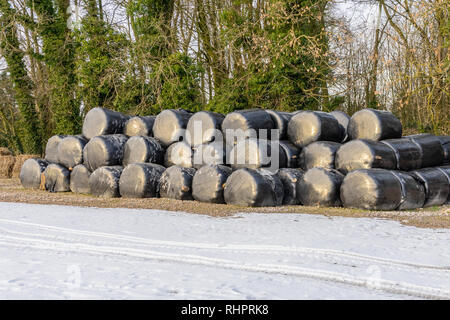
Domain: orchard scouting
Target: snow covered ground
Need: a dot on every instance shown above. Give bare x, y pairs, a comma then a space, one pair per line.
59, 252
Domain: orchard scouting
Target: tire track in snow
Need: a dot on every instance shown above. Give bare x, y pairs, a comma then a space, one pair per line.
369, 283
268, 249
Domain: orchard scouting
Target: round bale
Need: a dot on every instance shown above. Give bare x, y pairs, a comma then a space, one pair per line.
79, 179
256, 153
170, 126
292, 153
281, 120
364, 154
445, 142
209, 182
413, 192
319, 154
139, 126
104, 151
432, 151
374, 125
436, 185
179, 154
309, 126
407, 153
57, 178
343, 120
51, 149
143, 149
70, 151
101, 121
104, 181
204, 127
31, 172
289, 177
213, 153
176, 183
320, 187
371, 189
140, 180
446, 171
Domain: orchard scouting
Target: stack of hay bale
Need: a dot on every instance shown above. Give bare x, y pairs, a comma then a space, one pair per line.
324, 159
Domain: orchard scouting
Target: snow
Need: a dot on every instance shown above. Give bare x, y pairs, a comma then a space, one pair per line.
62, 252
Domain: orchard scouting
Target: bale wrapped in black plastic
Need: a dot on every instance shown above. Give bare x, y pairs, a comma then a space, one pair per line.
140, 180
253, 188
436, 185
413, 192
309, 126
139, 126
364, 154
176, 183
371, 189
51, 149
281, 120
432, 151
104, 151
204, 127
104, 181
31, 172
70, 151
446, 171
289, 177
57, 178
170, 126
374, 125
257, 153
242, 124
79, 179
209, 182
179, 154
318, 154
407, 153
213, 153
343, 120
445, 143
292, 153
101, 121
320, 187
143, 149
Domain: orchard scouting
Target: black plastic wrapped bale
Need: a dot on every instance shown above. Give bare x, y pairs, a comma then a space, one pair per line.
407, 153
104, 182
445, 143
176, 183
242, 124
139, 126
276, 183
51, 149
31, 172
251, 188
374, 125
289, 177
371, 189
170, 126
213, 153
343, 120
309, 126
257, 153
57, 178
79, 179
209, 182
143, 149
179, 154
292, 153
319, 154
204, 127
140, 180
432, 151
104, 151
446, 171
436, 185
320, 187
70, 151
364, 154
413, 192
281, 120
100, 121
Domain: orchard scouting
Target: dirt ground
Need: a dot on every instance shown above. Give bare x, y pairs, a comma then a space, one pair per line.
12, 191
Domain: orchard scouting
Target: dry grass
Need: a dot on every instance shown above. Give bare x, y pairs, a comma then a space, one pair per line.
6, 166
5, 152
12, 191
20, 159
